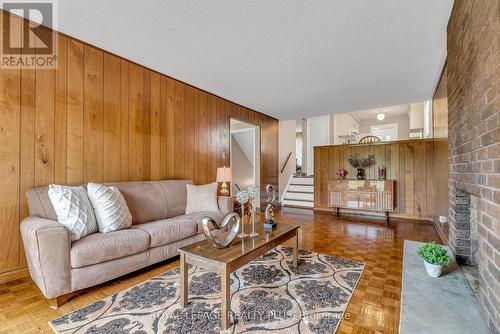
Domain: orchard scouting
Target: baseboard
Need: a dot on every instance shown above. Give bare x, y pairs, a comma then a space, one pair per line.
352, 212
13, 275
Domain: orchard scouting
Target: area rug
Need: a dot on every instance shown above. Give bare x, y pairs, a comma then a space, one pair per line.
268, 295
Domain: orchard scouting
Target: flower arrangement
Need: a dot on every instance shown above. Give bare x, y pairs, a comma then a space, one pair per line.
362, 162
341, 173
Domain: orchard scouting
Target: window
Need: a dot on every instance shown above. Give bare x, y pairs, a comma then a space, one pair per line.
386, 132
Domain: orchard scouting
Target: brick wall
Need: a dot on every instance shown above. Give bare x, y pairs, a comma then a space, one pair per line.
473, 74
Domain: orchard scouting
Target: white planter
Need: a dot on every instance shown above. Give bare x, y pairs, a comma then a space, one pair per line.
434, 270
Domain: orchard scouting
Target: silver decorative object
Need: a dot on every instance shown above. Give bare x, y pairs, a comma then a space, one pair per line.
269, 213
253, 191
242, 197
230, 218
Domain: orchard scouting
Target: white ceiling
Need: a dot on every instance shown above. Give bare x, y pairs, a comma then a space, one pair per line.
393, 111
287, 59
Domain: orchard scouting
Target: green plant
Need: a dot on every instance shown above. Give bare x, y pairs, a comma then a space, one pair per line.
434, 254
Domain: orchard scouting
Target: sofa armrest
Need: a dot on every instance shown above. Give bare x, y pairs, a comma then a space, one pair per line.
225, 203
47, 245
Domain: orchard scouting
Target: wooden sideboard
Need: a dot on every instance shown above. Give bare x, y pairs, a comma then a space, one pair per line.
369, 195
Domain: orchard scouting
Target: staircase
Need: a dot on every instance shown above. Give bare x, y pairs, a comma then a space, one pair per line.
299, 194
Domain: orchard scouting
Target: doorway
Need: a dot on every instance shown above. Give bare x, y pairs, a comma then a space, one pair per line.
244, 156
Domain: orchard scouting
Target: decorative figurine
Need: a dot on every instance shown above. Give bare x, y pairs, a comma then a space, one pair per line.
231, 218
253, 191
269, 213
242, 197
382, 172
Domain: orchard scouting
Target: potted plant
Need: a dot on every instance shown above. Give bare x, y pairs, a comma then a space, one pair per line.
360, 164
435, 257
341, 173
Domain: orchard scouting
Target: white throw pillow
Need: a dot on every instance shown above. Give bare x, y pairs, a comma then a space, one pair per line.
73, 210
110, 208
201, 198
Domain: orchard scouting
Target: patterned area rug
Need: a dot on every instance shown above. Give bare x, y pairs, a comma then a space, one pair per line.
267, 296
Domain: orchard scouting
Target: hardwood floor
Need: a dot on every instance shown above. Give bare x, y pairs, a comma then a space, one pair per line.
374, 307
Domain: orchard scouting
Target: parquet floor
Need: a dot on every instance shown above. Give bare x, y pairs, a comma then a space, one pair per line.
374, 307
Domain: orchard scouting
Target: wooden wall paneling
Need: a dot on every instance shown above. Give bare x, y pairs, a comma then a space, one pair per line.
27, 150
431, 180
136, 119
145, 133
379, 152
60, 128
27, 139
98, 117
440, 173
402, 179
202, 143
44, 124
413, 164
171, 163
325, 166
74, 113
93, 115
440, 107
409, 178
213, 133
180, 130
10, 111
189, 126
155, 145
420, 177
124, 120
112, 118
223, 140
388, 161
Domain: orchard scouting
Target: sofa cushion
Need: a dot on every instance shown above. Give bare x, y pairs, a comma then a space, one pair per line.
202, 198
165, 231
198, 216
111, 211
100, 247
73, 209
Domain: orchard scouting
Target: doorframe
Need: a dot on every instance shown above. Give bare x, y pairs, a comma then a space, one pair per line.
258, 147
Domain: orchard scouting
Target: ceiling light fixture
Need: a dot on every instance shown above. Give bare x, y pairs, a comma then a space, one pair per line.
380, 117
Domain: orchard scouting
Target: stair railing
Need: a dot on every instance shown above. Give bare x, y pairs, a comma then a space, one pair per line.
284, 165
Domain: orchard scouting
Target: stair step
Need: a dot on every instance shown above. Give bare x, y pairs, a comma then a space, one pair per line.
300, 192
301, 188
302, 180
302, 203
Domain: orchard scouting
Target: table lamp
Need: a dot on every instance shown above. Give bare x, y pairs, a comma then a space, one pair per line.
224, 175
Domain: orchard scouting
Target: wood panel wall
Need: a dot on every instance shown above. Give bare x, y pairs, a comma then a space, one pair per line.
102, 118
420, 168
440, 107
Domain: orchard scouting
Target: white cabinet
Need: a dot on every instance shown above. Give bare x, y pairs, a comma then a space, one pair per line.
345, 125
417, 116
342, 124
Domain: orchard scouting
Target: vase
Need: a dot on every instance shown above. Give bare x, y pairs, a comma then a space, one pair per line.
433, 270
382, 172
361, 174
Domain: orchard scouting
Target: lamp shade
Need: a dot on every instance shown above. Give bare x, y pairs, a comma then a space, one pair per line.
224, 174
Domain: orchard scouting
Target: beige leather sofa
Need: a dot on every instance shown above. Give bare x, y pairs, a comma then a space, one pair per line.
60, 267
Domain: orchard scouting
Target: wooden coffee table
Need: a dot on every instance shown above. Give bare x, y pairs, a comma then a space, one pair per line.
227, 260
